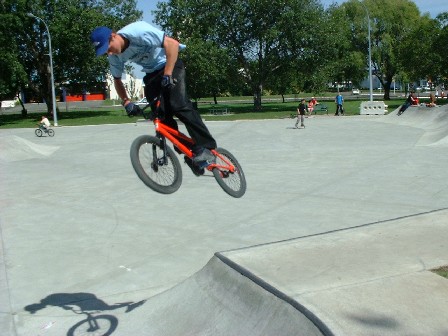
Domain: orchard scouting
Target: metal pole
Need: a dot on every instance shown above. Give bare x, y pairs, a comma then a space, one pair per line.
55, 116
370, 54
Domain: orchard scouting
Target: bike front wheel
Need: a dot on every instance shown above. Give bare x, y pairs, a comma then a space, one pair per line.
38, 132
232, 182
162, 173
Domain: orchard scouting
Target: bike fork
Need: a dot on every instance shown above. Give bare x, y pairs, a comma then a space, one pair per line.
164, 159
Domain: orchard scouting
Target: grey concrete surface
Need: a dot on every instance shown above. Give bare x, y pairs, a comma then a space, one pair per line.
81, 233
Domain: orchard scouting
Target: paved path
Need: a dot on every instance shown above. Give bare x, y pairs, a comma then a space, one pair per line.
79, 230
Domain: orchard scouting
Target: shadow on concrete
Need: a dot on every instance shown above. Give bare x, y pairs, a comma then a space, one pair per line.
85, 304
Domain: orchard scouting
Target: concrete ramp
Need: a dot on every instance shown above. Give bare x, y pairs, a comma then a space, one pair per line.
373, 279
218, 300
15, 148
368, 280
433, 120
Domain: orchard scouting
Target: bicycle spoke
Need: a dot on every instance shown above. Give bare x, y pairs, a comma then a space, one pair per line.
161, 174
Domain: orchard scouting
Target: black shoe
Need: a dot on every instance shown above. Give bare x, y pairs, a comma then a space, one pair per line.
194, 168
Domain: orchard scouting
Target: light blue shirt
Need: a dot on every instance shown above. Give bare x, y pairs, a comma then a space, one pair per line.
145, 49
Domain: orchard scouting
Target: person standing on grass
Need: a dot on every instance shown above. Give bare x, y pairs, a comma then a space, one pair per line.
339, 100
301, 110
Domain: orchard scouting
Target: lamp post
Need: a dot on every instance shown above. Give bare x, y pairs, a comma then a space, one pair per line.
370, 54
55, 117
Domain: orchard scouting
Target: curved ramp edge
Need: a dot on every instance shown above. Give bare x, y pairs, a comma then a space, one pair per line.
433, 120
220, 300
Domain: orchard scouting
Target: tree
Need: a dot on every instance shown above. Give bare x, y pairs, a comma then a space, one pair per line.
346, 63
70, 23
393, 24
264, 38
441, 47
207, 67
422, 61
12, 73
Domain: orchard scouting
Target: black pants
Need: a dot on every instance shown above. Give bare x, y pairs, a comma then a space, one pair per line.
339, 108
405, 106
176, 103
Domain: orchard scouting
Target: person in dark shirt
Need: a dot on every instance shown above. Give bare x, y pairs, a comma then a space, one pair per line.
301, 110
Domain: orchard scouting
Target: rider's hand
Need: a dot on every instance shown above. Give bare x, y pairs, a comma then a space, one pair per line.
168, 82
132, 110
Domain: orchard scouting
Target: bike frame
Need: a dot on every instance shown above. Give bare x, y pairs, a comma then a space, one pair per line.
173, 136
164, 131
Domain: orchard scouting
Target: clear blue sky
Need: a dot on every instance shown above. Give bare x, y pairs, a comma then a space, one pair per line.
433, 7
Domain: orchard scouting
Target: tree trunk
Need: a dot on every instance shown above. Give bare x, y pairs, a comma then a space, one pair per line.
257, 97
24, 111
387, 87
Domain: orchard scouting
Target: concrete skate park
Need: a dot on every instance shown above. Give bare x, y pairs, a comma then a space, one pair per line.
337, 234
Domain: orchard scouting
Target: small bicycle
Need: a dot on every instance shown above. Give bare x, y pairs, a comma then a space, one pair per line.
41, 130
159, 168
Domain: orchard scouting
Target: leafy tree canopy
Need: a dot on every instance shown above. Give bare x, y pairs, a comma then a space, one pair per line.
265, 39
70, 23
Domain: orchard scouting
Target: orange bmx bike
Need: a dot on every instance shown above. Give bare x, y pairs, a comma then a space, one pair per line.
157, 165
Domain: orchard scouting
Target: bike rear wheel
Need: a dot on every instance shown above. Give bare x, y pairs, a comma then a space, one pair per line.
38, 132
233, 183
104, 325
50, 132
161, 174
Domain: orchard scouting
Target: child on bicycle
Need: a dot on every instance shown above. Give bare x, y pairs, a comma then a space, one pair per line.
157, 53
44, 123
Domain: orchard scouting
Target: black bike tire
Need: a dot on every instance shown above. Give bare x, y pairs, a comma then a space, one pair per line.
38, 132
173, 183
238, 189
112, 320
50, 132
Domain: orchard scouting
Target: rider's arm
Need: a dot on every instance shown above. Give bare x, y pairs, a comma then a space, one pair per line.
131, 108
171, 47
121, 91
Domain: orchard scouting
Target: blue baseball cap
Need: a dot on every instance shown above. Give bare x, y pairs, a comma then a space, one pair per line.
100, 39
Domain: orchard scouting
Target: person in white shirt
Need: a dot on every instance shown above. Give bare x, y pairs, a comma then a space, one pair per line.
44, 122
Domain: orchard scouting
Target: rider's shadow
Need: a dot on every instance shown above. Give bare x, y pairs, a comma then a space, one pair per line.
87, 304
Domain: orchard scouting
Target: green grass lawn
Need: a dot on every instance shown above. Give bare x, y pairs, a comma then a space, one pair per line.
76, 118
442, 271
239, 110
